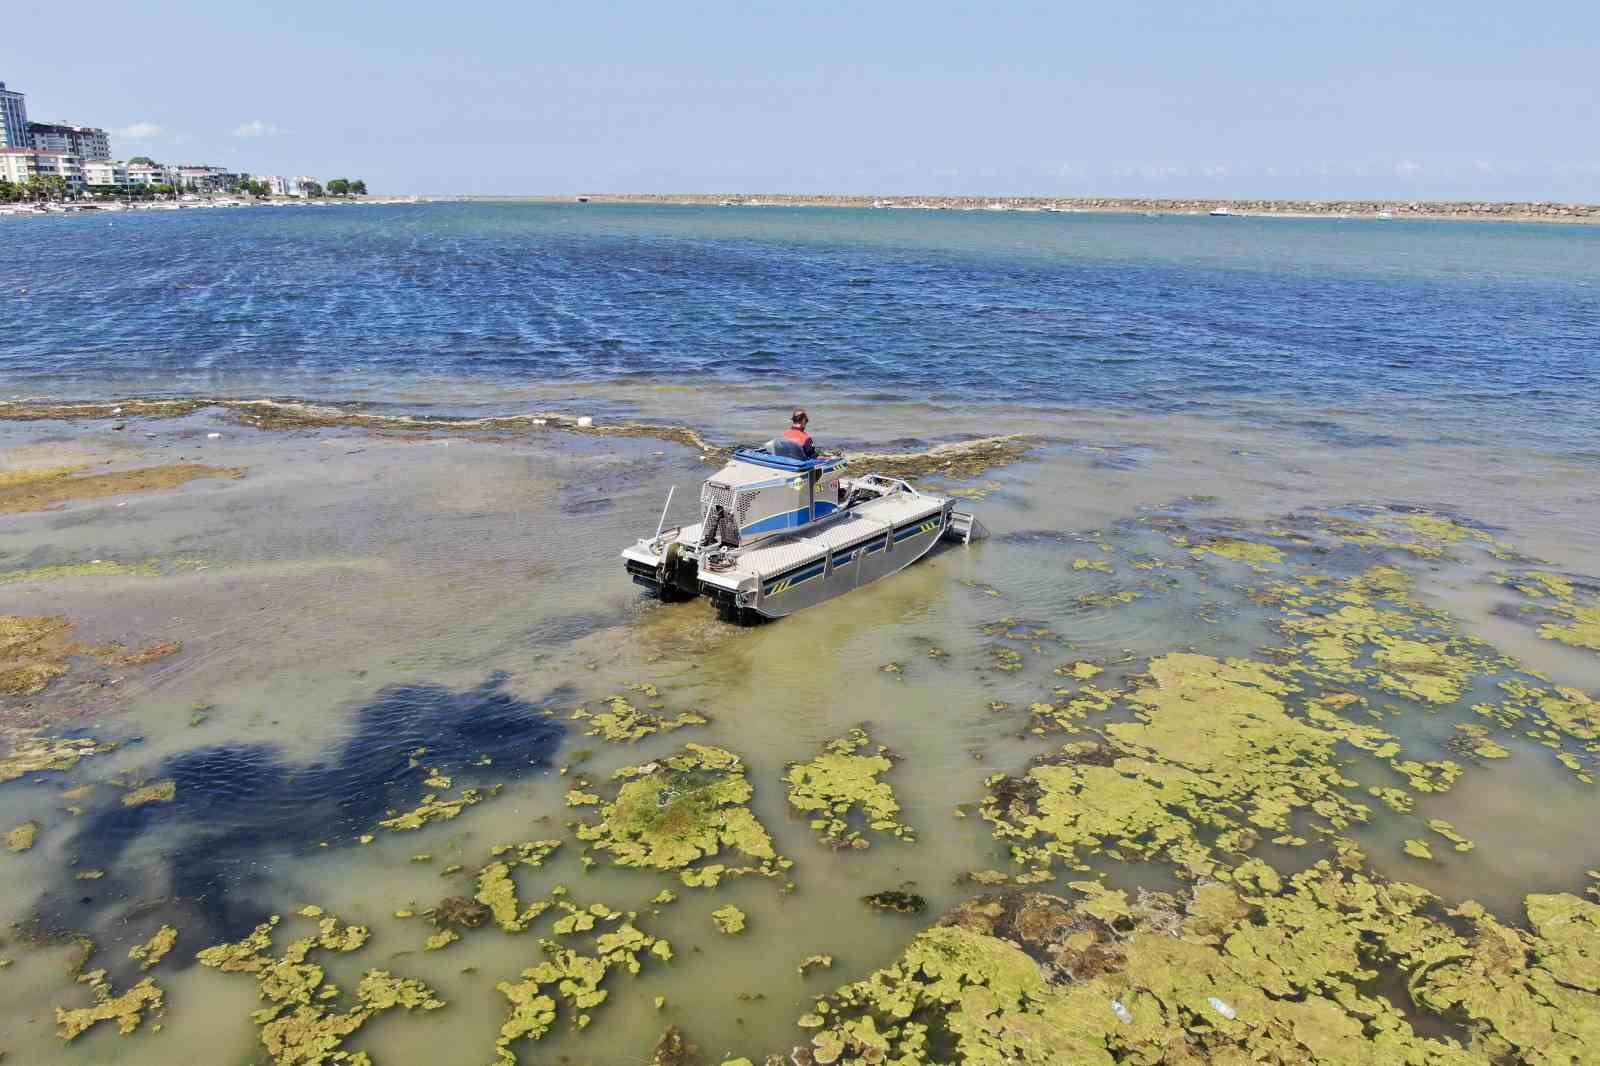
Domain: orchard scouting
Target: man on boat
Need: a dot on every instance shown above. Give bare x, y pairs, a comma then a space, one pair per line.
796, 434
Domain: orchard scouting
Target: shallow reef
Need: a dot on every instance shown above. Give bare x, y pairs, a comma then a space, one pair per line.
41, 490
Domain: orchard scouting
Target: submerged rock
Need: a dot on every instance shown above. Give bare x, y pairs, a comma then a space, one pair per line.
897, 901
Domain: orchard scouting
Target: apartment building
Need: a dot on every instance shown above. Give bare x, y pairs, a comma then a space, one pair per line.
17, 165
103, 172
85, 142
13, 119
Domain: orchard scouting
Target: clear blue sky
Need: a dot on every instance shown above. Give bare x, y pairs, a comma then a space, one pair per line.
1439, 98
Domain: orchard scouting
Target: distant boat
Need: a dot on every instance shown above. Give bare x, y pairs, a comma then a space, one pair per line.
997, 207
583, 199
1384, 216
1220, 212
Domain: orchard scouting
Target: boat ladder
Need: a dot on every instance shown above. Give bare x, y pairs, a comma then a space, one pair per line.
965, 527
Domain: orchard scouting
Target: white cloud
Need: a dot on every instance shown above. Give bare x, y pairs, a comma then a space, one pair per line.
1065, 170
1216, 170
1407, 168
139, 131
256, 128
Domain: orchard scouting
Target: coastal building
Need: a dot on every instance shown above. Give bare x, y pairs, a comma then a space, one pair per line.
17, 165
151, 174
105, 172
198, 177
302, 185
13, 119
85, 142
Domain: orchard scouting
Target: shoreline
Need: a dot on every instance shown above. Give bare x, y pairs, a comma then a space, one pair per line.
1375, 210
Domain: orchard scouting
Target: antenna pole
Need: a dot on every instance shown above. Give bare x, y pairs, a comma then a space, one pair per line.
668, 504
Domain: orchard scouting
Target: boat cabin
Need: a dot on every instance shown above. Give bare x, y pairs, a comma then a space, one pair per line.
761, 494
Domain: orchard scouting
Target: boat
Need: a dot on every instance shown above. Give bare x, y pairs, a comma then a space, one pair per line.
779, 533
1220, 212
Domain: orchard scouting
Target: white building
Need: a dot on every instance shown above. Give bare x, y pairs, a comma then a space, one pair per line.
13, 119
302, 185
151, 174
104, 172
17, 165
85, 142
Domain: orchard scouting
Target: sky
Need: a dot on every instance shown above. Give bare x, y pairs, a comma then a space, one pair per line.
1208, 98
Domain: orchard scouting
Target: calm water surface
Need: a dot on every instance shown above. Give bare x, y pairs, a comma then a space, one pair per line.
356, 597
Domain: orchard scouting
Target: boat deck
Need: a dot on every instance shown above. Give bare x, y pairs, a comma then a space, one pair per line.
784, 553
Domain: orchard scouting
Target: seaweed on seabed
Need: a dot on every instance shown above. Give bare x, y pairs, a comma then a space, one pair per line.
675, 811
238, 802
299, 1025
1255, 967
842, 780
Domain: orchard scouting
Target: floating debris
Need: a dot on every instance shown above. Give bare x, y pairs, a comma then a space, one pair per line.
845, 780
729, 920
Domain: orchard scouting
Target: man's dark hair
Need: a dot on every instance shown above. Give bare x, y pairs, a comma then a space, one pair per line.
799, 418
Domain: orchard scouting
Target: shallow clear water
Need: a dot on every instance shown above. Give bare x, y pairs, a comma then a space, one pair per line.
355, 596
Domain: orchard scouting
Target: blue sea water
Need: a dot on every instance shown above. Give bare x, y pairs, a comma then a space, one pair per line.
1478, 327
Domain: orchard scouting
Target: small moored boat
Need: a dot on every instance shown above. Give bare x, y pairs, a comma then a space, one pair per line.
779, 534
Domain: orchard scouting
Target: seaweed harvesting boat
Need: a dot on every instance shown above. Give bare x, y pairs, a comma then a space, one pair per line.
779, 533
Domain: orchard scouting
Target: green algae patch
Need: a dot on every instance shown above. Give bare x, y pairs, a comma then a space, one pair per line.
97, 568
160, 792
959, 459
52, 488
1418, 849
843, 782
674, 812
729, 920
621, 722
1259, 968
127, 1010
46, 754
33, 652
1214, 747
432, 809
302, 1023
571, 975
814, 962
155, 949
1582, 632
1255, 555
22, 837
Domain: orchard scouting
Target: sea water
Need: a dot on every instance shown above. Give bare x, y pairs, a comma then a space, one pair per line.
359, 595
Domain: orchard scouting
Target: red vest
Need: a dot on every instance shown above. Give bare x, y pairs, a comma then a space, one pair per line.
798, 435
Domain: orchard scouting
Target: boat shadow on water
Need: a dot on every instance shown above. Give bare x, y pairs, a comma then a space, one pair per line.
238, 808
